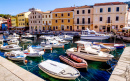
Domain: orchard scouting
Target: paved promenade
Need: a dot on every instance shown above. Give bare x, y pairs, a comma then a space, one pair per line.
122, 70
11, 72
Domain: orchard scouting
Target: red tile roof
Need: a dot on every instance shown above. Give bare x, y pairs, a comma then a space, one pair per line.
84, 7
109, 3
64, 9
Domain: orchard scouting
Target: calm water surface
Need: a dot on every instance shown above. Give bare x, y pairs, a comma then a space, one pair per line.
96, 71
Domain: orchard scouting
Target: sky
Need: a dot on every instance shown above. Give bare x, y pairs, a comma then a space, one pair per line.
14, 7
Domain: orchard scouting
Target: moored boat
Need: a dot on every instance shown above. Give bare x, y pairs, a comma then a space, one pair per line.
15, 55
77, 63
30, 52
13, 41
10, 47
59, 70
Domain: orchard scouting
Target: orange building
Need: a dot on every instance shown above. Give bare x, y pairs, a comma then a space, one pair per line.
63, 19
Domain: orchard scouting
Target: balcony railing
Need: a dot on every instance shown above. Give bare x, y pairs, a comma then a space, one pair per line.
107, 21
83, 23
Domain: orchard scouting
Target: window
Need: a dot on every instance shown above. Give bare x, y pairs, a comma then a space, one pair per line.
83, 20
56, 27
83, 28
56, 21
31, 21
43, 16
101, 10
88, 20
39, 21
19, 23
68, 20
49, 16
83, 11
100, 18
117, 9
62, 15
67, 27
49, 21
46, 16
77, 27
77, 11
121, 26
27, 23
35, 16
55, 15
35, 12
117, 18
43, 22
77, 20
68, 14
109, 9
53, 27
62, 20
31, 17
23, 23
39, 16
22, 19
89, 11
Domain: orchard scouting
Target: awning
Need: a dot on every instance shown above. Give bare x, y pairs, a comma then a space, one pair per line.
19, 27
11, 27
125, 28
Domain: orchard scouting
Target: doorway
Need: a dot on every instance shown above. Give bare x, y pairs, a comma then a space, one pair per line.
108, 28
108, 20
70, 28
62, 27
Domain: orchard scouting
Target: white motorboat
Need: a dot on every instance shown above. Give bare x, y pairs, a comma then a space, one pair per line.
30, 52
59, 70
15, 55
66, 37
13, 41
10, 47
55, 44
62, 41
85, 51
14, 36
28, 36
26, 41
91, 34
44, 36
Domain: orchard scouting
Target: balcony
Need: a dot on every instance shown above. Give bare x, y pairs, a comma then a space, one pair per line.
84, 23
108, 22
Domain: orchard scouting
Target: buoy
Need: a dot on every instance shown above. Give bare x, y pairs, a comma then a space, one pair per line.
51, 48
63, 46
26, 61
44, 50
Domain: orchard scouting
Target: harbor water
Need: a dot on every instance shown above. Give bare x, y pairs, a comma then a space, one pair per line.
96, 71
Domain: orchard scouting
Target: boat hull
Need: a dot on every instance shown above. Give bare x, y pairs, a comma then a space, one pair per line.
89, 56
94, 37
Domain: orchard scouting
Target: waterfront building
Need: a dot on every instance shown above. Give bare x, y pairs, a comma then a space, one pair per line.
4, 26
22, 19
35, 20
109, 16
129, 17
83, 18
9, 23
14, 21
47, 20
63, 19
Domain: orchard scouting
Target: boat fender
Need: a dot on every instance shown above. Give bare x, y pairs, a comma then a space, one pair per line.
26, 61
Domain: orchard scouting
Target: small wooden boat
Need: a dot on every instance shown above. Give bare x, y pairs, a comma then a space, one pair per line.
77, 63
59, 70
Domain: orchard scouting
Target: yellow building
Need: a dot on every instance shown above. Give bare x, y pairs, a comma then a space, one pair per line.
14, 21
22, 19
62, 19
